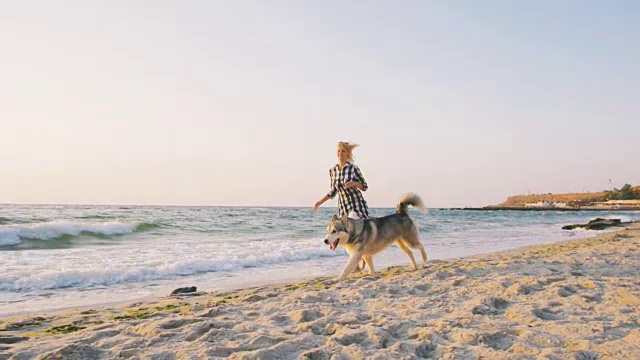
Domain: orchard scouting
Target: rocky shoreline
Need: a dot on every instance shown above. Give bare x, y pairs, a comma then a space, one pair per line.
503, 208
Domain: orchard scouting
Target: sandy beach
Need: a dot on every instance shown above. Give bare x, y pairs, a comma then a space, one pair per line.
578, 299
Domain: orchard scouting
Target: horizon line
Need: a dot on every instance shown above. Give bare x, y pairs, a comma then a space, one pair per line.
234, 206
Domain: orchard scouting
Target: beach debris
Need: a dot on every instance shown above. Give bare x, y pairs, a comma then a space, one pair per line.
595, 224
64, 329
184, 290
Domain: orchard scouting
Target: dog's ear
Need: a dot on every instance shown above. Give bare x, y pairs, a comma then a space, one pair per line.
344, 218
334, 218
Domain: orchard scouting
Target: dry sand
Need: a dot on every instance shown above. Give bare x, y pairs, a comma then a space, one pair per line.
571, 300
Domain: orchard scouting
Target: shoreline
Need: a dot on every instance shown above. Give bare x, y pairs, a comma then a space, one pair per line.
579, 296
511, 208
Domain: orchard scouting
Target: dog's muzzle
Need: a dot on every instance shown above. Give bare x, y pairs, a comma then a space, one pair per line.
332, 246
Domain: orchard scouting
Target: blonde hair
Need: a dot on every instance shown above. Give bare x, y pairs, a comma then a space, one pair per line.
349, 147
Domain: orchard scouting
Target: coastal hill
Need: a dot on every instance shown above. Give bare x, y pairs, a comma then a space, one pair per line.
627, 192
522, 200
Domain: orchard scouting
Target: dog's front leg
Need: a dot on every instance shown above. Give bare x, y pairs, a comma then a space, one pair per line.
351, 265
369, 260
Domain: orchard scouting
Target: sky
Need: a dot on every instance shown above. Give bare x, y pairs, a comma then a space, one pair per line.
242, 102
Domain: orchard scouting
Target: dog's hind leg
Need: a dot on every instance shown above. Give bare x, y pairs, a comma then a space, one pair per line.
401, 244
424, 254
351, 265
369, 260
413, 241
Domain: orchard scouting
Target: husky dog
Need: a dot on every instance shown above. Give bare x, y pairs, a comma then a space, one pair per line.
366, 237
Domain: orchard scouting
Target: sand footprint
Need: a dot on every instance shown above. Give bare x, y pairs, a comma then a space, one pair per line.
198, 331
170, 324
375, 337
567, 290
551, 280
18, 325
301, 316
75, 351
548, 314
491, 306
497, 341
316, 354
12, 339
261, 342
419, 289
587, 355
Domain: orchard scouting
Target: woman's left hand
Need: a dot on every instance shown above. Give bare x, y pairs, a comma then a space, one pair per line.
351, 184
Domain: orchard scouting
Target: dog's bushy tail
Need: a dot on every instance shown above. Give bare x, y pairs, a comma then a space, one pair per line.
410, 199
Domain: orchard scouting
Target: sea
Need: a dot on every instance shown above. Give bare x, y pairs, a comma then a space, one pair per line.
63, 256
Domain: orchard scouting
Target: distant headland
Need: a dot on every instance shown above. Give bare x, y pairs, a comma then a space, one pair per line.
625, 198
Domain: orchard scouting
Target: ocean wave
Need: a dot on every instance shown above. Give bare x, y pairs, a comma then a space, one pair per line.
83, 278
96, 217
14, 234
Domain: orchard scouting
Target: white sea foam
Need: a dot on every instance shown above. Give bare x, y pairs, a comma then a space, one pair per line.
154, 270
12, 234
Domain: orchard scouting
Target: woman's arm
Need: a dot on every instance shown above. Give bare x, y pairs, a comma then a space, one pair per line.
358, 182
332, 192
320, 202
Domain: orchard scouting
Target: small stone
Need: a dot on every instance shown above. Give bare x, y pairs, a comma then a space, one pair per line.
184, 290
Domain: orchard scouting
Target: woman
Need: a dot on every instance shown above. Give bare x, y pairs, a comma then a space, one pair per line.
348, 182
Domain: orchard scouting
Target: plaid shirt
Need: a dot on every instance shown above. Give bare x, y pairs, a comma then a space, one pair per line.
350, 199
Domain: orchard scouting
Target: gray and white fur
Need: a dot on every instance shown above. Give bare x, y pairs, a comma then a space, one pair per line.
364, 238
